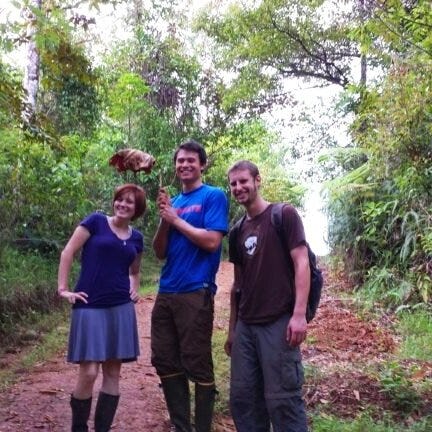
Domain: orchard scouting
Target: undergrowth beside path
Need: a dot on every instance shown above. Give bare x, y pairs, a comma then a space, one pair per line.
360, 377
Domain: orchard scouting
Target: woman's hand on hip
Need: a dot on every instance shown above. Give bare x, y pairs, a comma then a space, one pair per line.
73, 297
134, 295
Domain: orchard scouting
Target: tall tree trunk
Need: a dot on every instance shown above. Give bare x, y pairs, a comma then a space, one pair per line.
31, 73
363, 70
363, 59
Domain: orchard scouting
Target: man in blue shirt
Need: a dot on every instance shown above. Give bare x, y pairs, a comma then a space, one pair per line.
189, 237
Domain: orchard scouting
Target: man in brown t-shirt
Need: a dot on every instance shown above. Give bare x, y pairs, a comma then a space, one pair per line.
268, 312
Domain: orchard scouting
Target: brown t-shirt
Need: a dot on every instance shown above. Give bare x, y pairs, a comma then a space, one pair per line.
266, 282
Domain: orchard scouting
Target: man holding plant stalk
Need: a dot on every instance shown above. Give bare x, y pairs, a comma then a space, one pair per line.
189, 237
268, 312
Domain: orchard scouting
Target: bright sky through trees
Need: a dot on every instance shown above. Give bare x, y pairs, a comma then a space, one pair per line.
110, 26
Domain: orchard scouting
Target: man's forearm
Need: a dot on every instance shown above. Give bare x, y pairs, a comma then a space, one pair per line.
301, 281
205, 239
301, 294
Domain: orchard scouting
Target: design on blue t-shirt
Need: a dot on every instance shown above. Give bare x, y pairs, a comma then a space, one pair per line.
196, 208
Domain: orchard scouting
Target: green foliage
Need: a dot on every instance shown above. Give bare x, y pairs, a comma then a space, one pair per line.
68, 87
361, 424
168, 113
252, 141
150, 271
37, 191
398, 27
159, 107
53, 333
398, 386
416, 330
266, 42
76, 107
365, 423
39, 337
128, 103
222, 371
11, 93
171, 74
26, 290
385, 287
382, 217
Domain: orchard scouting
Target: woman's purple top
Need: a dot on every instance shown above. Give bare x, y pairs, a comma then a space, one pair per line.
105, 262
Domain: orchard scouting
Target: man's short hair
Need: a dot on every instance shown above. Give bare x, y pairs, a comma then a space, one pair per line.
245, 165
193, 146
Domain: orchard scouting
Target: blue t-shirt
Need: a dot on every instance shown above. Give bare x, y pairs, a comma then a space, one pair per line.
188, 267
105, 262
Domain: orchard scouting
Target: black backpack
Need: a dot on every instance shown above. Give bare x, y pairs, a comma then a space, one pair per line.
316, 279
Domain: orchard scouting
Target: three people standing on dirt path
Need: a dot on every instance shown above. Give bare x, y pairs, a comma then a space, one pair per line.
267, 320
103, 325
189, 237
268, 312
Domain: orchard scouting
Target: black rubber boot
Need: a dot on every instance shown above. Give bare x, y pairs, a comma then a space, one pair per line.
80, 413
204, 404
105, 411
177, 398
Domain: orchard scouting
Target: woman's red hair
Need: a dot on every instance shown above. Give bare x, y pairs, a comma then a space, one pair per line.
139, 194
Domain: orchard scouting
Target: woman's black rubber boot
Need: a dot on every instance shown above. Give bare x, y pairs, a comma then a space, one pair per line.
106, 408
80, 413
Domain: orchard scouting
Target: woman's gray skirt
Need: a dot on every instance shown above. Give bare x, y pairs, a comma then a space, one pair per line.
103, 334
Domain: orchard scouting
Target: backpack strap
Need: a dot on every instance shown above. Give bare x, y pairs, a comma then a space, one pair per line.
233, 247
277, 222
276, 218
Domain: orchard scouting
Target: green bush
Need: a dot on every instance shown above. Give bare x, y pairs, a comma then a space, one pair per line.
398, 386
27, 289
415, 327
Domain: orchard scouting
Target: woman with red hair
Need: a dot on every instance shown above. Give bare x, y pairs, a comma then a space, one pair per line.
103, 327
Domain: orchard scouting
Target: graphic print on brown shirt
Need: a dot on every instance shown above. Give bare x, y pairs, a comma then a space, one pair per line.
267, 286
